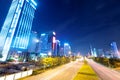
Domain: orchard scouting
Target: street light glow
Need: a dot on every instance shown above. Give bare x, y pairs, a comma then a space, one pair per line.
36, 40
49, 53
69, 52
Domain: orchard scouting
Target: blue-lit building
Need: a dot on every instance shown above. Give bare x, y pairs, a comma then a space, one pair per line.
33, 46
100, 53
67, 49
115, 51
44, 46
48, 43
57, 49
15, 33
33, 42
95, 52
61, 51
91, 51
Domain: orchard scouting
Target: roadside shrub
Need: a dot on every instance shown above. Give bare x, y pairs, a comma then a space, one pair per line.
111, 62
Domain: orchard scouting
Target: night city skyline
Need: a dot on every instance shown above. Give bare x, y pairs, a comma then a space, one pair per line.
59, 40
80, 23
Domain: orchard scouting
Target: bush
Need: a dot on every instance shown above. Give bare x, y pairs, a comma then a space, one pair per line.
111, 62
49, 62
117, 64
10, 60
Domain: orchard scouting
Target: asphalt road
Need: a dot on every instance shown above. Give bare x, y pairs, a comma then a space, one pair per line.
103, 72
64, 72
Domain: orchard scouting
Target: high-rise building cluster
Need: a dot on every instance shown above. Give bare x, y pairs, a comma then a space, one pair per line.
18, 41
47, 44
113, 52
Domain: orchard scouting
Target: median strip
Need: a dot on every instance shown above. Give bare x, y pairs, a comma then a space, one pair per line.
86, 73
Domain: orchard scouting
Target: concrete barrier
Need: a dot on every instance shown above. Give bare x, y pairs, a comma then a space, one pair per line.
17, 75
10, 77
2, 78
24, 74
29, 72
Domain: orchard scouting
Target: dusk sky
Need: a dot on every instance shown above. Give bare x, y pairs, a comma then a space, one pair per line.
78, 22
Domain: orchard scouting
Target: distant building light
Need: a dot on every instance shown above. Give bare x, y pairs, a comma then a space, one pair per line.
69, 52
49, 53
66, 44
36, 40
54, 33
35, 32
69, 47
19, 51
58, 41
43, 54
43, 34
54, 40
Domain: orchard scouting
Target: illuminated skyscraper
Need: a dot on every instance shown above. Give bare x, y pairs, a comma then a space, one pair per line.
115, 51
57, 49
100, 53
67, 49
48, 43
33, 42
44, 46
95, 52
91, 51
17, 26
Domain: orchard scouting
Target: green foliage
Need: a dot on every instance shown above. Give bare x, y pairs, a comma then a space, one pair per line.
37, 71
49, 62
10, 60
54, 61
110, 62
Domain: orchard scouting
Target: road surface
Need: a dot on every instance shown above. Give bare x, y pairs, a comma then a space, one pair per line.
64, 72
103, 72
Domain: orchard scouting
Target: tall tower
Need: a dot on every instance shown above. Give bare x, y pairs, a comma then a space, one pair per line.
17, 26
67, 49
33, 42
115, 50
91, 50
48, 43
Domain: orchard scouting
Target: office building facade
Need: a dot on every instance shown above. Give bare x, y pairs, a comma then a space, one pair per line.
57, 50
33, 42
16, 29
48, 43
100, 53
67, 49
115, 51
